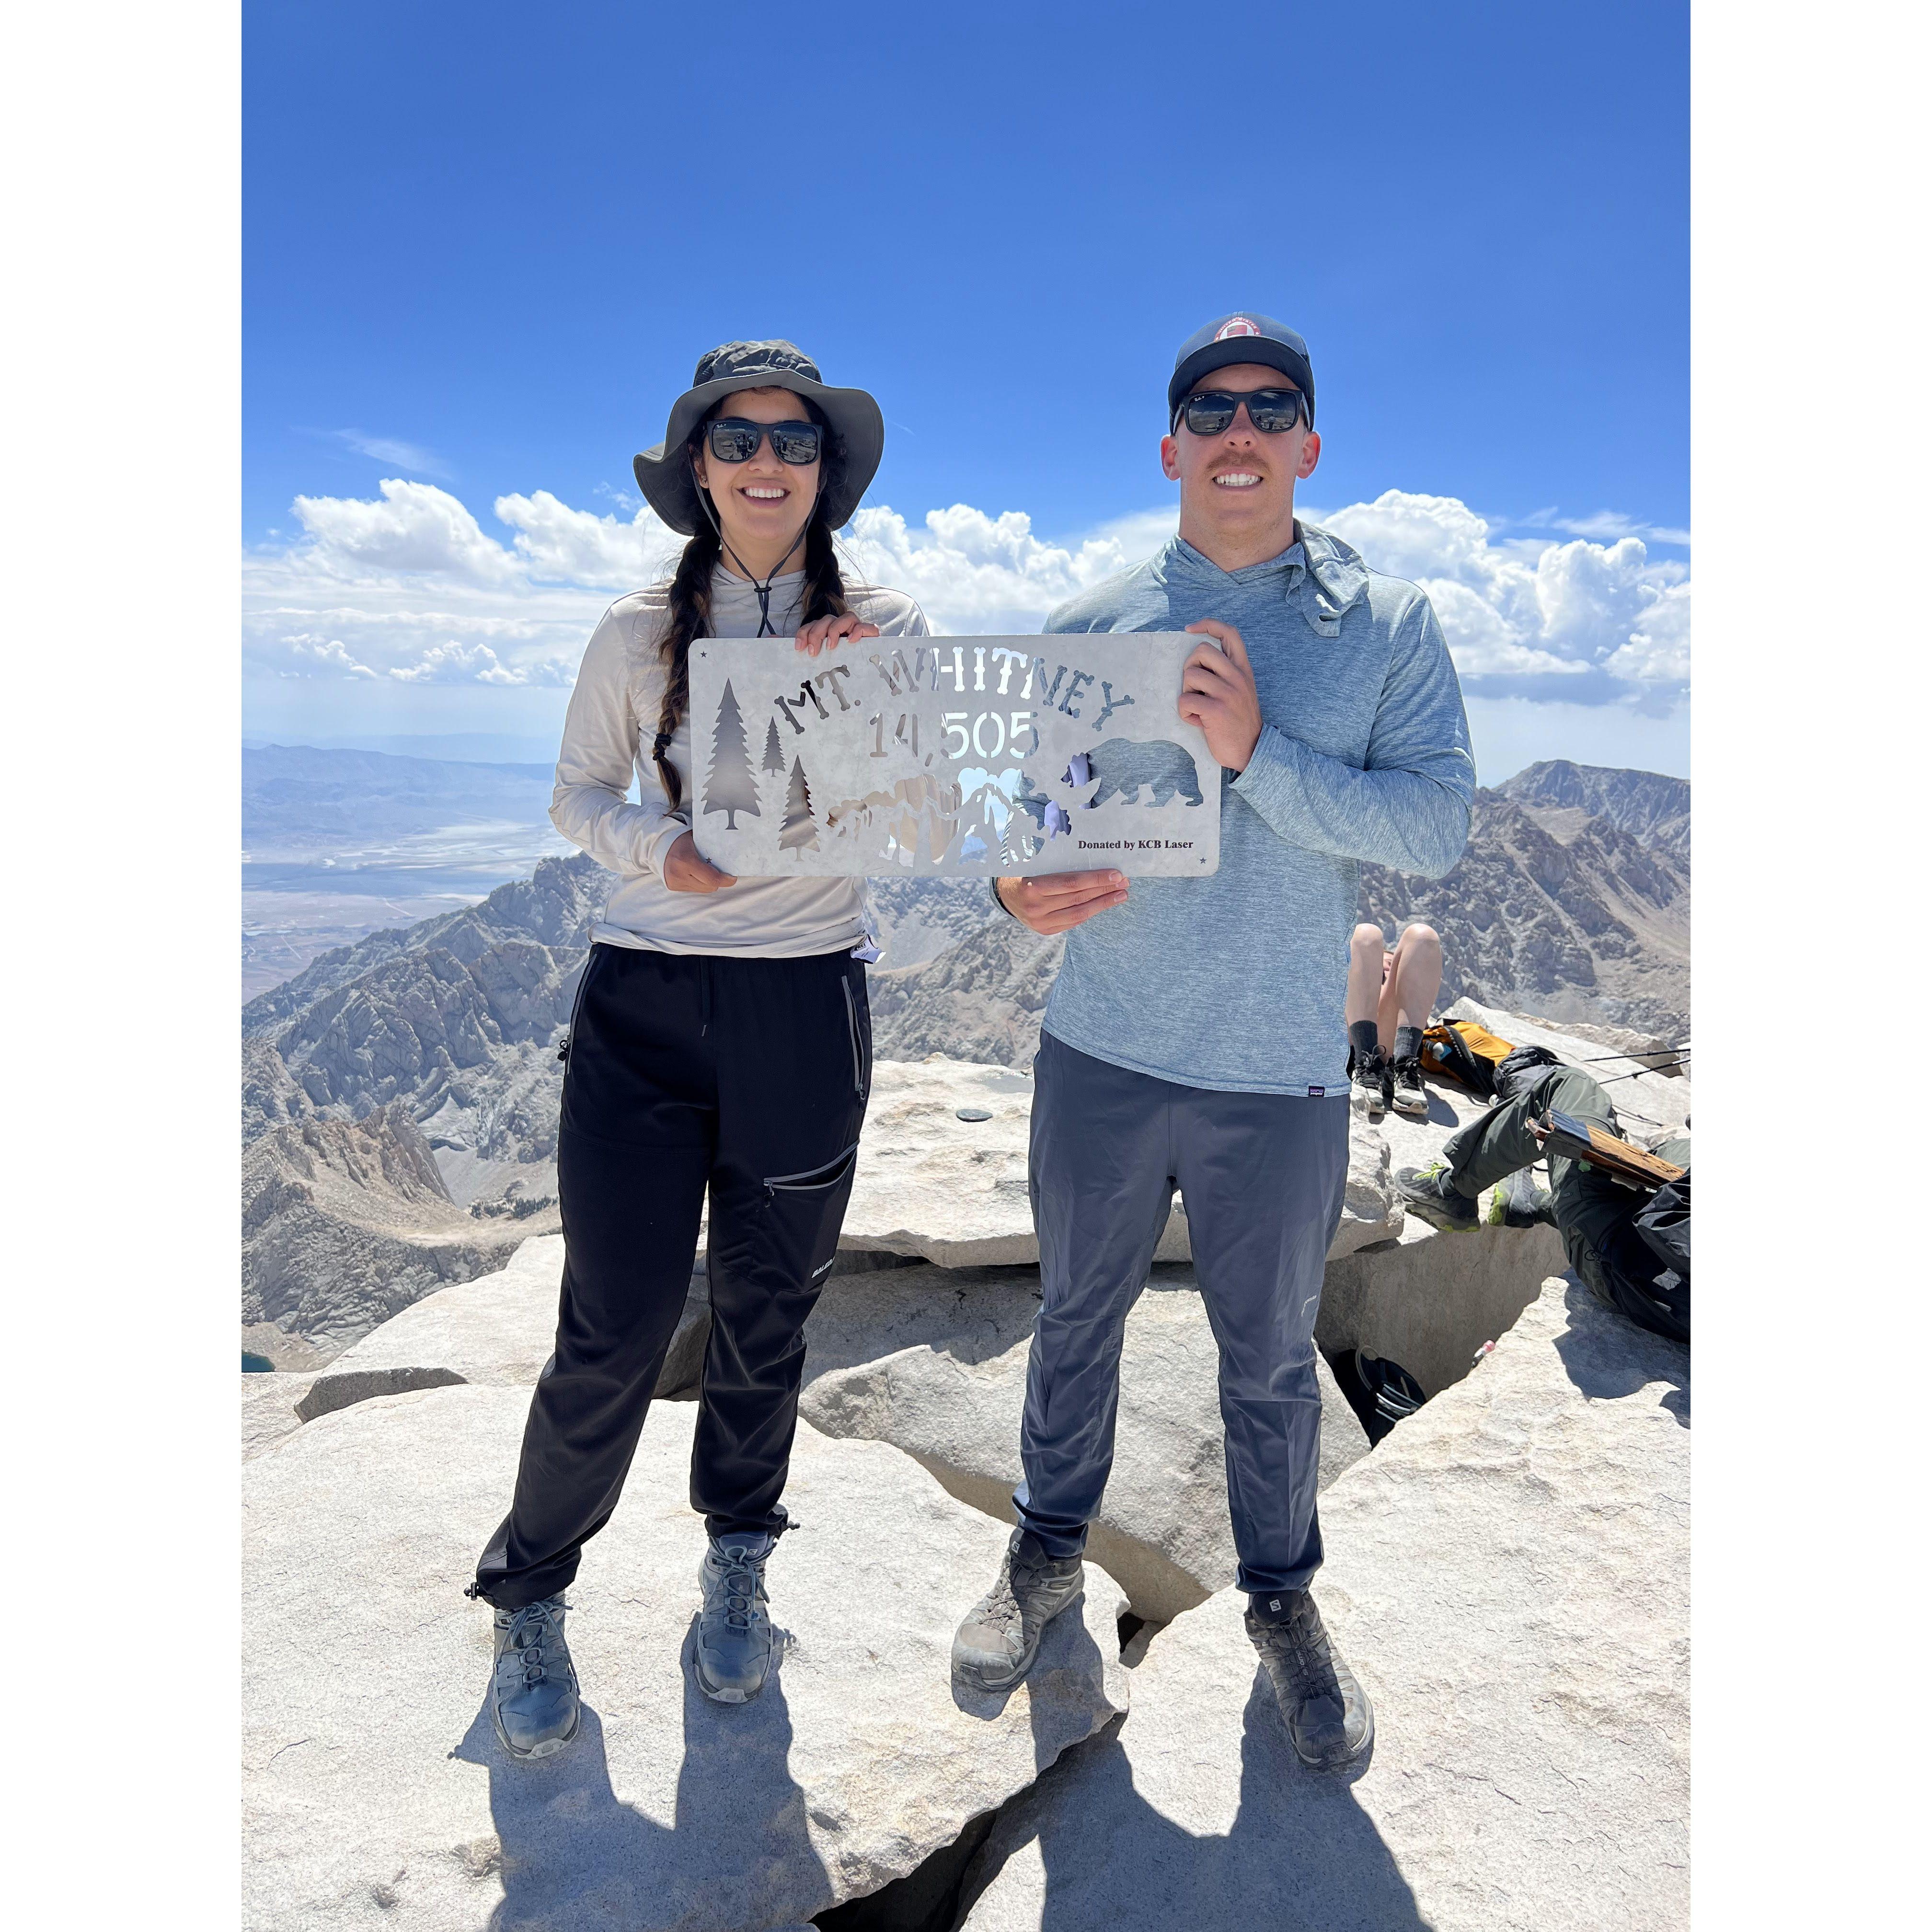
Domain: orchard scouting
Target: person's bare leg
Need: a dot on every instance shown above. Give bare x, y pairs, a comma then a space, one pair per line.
1414, 982
1415, 979
1365, 947
1368, 1080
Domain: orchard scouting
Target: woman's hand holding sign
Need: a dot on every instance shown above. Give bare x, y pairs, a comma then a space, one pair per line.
823, 633
685, 871
1217, 693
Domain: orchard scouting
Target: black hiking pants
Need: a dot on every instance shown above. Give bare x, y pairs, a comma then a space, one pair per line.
687, 1072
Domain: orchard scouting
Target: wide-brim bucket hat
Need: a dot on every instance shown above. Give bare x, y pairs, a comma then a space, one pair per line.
664, 475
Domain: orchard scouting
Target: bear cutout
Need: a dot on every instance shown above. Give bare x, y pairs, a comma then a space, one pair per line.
1123, 765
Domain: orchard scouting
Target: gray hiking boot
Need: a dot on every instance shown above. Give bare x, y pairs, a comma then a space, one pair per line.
533, 1699
1326, 1710
1426, 1191
996, 1646
733, 1655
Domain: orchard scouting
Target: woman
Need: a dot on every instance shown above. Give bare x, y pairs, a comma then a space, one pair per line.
721, 1041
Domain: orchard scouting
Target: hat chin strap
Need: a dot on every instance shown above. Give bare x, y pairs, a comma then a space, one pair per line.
764, 590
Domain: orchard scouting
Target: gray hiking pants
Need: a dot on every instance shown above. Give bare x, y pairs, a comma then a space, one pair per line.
1261, 1176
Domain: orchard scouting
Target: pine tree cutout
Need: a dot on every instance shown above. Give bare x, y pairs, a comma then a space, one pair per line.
774, 758
731, 789
798, 834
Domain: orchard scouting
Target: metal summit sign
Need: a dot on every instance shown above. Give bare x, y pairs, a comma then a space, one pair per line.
958, 756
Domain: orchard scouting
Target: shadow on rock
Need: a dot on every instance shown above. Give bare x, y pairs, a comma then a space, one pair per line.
1301, 1850
1606, 1356
572, 1853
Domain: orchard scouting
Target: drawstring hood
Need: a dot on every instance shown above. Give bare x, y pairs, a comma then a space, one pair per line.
1319, 574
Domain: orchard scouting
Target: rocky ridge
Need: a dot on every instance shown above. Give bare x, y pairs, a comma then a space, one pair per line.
1655, 810
1555, 908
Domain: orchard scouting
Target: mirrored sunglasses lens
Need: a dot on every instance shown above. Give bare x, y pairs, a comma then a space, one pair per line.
733, 442
1208, 415
796, 444
1272, 411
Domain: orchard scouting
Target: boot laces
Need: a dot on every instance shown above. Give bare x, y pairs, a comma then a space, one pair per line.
1020, 1571
529, 1627
739, 1576
1300, 1644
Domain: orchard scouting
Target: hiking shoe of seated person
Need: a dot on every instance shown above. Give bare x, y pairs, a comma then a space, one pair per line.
733, 1653
1327, 1712
995, 1646
1407, 1094
1519, 1203
533, 1699
1369, 1078
1426, 1191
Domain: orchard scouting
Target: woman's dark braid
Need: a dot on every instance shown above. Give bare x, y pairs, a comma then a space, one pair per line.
690, 605
824, 585
690, 601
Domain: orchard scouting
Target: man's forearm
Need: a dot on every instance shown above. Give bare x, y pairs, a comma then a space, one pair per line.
1413, 818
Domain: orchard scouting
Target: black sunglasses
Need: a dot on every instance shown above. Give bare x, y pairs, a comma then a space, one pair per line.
1209, 412
733, 439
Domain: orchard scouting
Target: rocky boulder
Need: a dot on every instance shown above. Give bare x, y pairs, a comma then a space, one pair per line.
1509, 1576
268, 1409
374, 1789
934, 1362
954, 1191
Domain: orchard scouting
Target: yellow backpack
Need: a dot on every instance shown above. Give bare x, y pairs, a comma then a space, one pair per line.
1467, 1055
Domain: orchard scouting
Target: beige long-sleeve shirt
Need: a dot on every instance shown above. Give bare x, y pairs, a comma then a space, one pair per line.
607, 735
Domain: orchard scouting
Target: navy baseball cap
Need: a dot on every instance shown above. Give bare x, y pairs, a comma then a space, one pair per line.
1247, 337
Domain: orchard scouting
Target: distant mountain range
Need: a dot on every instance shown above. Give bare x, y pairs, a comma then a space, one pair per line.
438, 1040
1655, 810
1572, 900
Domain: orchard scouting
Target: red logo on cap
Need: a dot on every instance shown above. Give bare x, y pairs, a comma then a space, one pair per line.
1241, 325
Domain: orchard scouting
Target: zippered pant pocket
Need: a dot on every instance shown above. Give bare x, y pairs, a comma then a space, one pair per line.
861, 1042
797, 1224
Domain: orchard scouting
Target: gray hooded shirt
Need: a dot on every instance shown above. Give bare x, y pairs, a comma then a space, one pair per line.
1236, 982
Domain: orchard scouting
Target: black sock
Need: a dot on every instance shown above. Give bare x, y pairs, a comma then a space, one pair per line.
1363, 1041
1408, 1043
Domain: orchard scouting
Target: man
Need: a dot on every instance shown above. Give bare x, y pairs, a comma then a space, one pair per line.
1632, 1249
1194, 1035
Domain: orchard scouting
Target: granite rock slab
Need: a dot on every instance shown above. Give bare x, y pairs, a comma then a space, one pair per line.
1508, 1575
935, 1361
375, 1791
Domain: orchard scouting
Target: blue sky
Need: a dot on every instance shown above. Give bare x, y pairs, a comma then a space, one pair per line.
485, 244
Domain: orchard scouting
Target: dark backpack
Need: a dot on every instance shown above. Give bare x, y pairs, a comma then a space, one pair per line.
1647, 1263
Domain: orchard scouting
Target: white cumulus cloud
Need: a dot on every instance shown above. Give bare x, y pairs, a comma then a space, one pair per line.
430, 596
1517, 611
